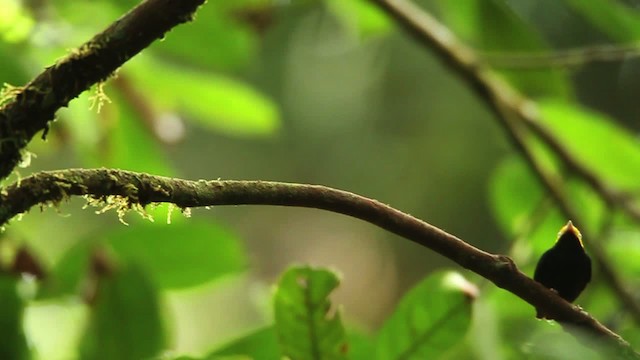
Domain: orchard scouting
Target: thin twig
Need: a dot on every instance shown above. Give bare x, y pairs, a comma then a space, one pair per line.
32, 107
562, 58
137, 189
510, 107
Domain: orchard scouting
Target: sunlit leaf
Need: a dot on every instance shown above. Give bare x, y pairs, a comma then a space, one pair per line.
616, 158
362, 16
214, 101
125, 320
430, 319
177, 255
306, 324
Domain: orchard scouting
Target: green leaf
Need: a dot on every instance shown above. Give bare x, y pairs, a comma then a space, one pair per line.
432, 318
177, 255
230, 45
362, 16
214, 101
490, 25
616, 158
13, 343
361, 345
620, 22
261, 344
125, 321
306, 324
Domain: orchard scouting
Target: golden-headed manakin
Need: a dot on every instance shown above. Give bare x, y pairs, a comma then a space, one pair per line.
566, 267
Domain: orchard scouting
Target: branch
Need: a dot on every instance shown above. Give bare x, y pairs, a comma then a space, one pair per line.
32, 107
554, 188
137, 189
512, 109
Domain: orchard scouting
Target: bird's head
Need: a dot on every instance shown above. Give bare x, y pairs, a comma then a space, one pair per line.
570, 233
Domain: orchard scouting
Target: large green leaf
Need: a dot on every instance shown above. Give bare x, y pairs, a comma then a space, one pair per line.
177, 255
125, 320
13, 344
490, 25
432, 318
261, 344
620, 22
307, 326
595, 141
214, 101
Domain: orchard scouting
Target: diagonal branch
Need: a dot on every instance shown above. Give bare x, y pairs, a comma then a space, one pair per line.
511, 110
137, 189
32, 107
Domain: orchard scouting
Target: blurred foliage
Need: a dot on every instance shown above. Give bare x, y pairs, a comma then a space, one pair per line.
125, 320
14, 343
325, 92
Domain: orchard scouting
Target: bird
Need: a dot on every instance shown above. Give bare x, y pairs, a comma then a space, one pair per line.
566, 267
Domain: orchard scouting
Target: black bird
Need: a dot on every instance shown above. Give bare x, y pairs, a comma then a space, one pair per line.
566, 267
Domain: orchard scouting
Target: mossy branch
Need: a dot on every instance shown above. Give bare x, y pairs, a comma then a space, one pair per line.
138, 189
31, 107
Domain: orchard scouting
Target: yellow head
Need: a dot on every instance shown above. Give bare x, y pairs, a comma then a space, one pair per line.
570, 228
